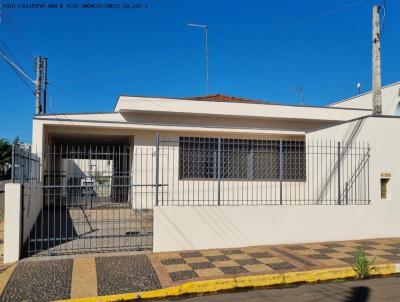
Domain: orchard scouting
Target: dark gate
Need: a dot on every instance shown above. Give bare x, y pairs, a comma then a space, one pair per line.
90, 201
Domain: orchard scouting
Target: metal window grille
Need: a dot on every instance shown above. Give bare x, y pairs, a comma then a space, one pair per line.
200, 158
222, 171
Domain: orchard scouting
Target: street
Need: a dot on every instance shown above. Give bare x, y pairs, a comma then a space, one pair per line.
379, 289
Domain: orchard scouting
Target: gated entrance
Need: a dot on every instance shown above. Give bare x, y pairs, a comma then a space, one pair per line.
90, 201
99, 193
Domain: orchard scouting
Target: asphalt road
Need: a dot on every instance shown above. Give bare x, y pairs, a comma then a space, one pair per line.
379, 289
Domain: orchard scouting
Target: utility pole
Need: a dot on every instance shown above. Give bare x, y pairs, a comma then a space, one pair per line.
44, 85
38, 85
205, 27
376, 62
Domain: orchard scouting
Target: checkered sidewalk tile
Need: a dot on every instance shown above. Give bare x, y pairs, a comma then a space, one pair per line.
208, 264
216, 263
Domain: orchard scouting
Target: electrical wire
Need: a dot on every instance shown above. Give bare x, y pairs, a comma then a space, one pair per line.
19, 72
358, 70
368, 53
323, 14
12, 28
383, 5
65, 91
14, 66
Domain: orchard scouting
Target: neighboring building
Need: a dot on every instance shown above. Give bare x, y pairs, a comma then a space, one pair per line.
209, 166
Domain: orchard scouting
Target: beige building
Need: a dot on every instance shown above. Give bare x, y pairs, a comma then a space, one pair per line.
215, 171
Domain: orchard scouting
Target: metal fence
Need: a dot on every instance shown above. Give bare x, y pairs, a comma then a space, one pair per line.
26, 166
220, 171
96, 197
87, 201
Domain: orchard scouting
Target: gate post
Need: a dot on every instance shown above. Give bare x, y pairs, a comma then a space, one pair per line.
13, 163
219, 171
338, 154
280, 170
157, 164
13, 201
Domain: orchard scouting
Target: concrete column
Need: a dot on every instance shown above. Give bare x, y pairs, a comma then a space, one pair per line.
12, 222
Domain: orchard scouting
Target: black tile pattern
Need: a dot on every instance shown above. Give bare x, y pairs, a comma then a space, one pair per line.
218, 258
232, 252
247, 261
123, 274
233, 270
296, 247
325, 251
282, 258
39, 281
332, 245
350, 260
281, 266
183, 275
319, 256
202, 265
394, 258
294, 257
260, 255
173, 261
190, 254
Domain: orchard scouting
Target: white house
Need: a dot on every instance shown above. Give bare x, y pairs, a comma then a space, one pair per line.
213, 171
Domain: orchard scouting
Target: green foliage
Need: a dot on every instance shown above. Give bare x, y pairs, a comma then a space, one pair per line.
99, 178
5, 152
362, 265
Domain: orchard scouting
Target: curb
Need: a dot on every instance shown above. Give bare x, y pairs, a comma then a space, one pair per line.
209, 286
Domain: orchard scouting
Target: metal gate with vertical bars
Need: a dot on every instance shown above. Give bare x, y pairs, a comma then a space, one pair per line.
90, 201
98, 194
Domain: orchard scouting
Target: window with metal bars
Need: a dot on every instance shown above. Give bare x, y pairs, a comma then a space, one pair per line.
211, 158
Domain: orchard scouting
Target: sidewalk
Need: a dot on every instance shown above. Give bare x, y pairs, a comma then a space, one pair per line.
38, 279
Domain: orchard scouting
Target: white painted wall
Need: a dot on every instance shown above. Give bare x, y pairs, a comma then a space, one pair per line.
187, 228
380, 133
221, 109
191, 227
33, 203
390, 100
12, 222
20, 200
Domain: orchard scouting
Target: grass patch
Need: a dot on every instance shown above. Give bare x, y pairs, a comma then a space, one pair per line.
363, 265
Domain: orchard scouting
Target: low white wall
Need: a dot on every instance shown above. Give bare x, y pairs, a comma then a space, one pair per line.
12, 222
33, 204
14, 231
186, 228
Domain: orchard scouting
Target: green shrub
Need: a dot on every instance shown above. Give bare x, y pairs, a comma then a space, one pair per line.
362, 265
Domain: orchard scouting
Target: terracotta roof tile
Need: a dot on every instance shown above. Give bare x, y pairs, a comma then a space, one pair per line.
225, 98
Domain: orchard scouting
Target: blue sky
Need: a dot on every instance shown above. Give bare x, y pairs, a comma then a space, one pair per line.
257, 49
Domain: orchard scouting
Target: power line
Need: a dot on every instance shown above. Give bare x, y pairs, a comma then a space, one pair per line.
358, 70
7, 50
323, 14
368, 53
65, 91
10, 24
19, 72
14, 66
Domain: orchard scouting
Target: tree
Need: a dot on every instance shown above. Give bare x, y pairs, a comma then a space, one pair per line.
5, 155
5, 152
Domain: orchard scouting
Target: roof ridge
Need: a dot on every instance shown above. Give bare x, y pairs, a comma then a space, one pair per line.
217, 97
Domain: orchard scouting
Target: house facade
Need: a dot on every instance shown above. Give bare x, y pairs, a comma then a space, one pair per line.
213, 171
